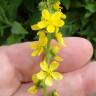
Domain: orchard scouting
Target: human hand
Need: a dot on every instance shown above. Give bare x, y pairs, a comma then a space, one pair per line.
17, 67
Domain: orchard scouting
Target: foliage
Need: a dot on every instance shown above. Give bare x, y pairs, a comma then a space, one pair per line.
16, 17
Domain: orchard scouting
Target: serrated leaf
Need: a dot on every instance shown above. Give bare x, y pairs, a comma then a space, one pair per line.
14, 39
17, 28
94, 39
91, 7
88, 14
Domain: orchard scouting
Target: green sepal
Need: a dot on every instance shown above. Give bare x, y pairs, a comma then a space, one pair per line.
40, 84
54, 93
42, 5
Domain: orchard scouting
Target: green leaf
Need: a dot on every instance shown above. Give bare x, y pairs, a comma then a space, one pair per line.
14, 39
31, 5
1, 31
2, 13
95, 55
12, 8
17, 28
76, 4
94, 39
69, 29
66, 3
88, 14
91, 7
34, 17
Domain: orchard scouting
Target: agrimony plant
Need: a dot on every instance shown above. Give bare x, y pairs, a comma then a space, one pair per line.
52, 19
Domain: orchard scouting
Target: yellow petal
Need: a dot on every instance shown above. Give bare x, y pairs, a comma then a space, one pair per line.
53, 66
50, 28
57, 76
60, 23
57, 22
33, 45
35, 27
34, 53
44, 66
42, 24
45, 14
48, 81
43, 39
57, 29
34, 78
59, 38
33, 90
41, 75
54, 19
57, 5
57, 58
38, 51
55, 49
61, 15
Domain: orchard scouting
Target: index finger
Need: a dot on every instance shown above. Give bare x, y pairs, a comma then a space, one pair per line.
76, 55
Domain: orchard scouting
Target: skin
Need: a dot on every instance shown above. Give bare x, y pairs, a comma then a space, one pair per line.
17, 67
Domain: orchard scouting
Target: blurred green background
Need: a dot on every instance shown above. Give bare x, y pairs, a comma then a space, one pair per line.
16, 17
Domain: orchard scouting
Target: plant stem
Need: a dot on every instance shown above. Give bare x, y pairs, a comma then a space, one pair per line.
45, 91
47, 55
47, 51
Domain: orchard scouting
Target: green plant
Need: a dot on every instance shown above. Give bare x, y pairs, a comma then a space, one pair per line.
16, 16
48, 28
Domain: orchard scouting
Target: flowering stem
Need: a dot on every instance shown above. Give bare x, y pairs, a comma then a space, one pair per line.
45, 91
49, 5
47, 55
51, 22
47, 51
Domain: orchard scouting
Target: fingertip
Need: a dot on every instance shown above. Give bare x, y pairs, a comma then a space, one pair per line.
77, 53
89, 78
8, 79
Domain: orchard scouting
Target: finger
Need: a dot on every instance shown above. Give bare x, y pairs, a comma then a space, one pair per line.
22, 91
76, 83
89, 78
8, 79
77, 54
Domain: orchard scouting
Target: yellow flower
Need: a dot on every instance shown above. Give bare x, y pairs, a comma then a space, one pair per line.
33, 89
59, 38
38, 47
48, 72
50, 21
35, 79
57, 6
58, 58
55, 49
